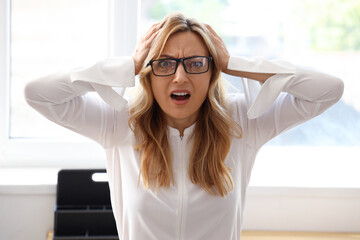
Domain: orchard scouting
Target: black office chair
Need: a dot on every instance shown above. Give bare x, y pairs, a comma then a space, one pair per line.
83, 209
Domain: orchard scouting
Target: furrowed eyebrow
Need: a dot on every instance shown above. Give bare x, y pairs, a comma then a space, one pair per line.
166, 56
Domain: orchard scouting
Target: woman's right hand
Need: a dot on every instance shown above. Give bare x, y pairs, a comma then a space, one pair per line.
220, 47
143, 47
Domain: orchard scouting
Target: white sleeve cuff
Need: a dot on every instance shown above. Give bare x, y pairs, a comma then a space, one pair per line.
112, 72
261, 97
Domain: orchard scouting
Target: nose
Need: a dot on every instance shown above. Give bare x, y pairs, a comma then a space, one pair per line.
180, 74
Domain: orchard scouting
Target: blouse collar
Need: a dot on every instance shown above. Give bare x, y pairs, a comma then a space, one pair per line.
187, 132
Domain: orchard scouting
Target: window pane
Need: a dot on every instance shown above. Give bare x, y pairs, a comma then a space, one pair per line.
321, 34
47, 36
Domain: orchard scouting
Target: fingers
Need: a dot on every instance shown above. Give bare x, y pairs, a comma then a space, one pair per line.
144, 45
152, 30
214, 35
220, 48
210, 28
147, 39
153, 35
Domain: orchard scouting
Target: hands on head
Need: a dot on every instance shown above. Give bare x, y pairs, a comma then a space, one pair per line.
143, 47
221, 50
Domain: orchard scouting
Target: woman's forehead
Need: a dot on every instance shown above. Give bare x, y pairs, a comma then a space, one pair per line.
185, 44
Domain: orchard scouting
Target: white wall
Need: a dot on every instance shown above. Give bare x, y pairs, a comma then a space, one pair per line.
27, 212
303, 209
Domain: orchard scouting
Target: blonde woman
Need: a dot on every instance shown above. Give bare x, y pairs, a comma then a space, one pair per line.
180, 154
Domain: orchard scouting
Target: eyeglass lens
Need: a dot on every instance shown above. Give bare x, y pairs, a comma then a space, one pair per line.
193, 65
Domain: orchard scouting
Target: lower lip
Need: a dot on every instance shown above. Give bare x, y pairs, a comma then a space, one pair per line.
180, 102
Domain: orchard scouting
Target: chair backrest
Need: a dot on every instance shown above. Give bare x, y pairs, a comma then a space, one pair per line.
83, 209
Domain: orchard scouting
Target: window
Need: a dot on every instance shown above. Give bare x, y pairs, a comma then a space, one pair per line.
40, 37
47, 36
43, 36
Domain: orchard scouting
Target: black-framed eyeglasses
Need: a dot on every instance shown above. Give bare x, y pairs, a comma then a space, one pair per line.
168, 66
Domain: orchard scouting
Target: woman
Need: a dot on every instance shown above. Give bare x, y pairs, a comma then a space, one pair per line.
179, 156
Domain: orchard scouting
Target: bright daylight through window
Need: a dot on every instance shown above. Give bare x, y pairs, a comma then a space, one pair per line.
48, 36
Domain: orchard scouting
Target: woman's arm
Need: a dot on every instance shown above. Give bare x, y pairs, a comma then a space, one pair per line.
62, 98
287, 100
288, 96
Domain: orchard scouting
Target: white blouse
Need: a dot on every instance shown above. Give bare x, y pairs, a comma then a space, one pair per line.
184, 211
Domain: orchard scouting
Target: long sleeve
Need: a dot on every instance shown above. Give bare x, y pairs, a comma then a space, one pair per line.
63, 99
293, 95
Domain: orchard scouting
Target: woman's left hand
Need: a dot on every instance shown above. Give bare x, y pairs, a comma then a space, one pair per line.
220, 47
144, 45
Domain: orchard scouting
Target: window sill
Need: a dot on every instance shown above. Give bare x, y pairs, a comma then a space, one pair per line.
28, 181
44, 180
281, 208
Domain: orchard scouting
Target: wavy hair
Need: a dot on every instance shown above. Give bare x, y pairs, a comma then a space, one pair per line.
213, 131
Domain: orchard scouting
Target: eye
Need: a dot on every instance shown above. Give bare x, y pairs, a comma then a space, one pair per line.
196, 64
165, 63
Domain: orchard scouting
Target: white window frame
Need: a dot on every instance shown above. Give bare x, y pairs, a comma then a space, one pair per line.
4, 74
123, 17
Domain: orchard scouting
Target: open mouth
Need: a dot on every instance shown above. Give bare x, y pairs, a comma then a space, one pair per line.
180, 96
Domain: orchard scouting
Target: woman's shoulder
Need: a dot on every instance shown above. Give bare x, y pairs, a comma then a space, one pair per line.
236, 103
235, 99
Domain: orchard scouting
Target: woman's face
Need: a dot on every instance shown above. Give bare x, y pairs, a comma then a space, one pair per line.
181, 95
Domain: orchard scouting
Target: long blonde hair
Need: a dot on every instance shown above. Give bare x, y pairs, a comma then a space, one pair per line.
212, 134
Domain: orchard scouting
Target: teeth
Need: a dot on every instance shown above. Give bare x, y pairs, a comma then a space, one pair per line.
180, 94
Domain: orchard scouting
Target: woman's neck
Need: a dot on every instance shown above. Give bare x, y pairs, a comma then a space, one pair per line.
180, 124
